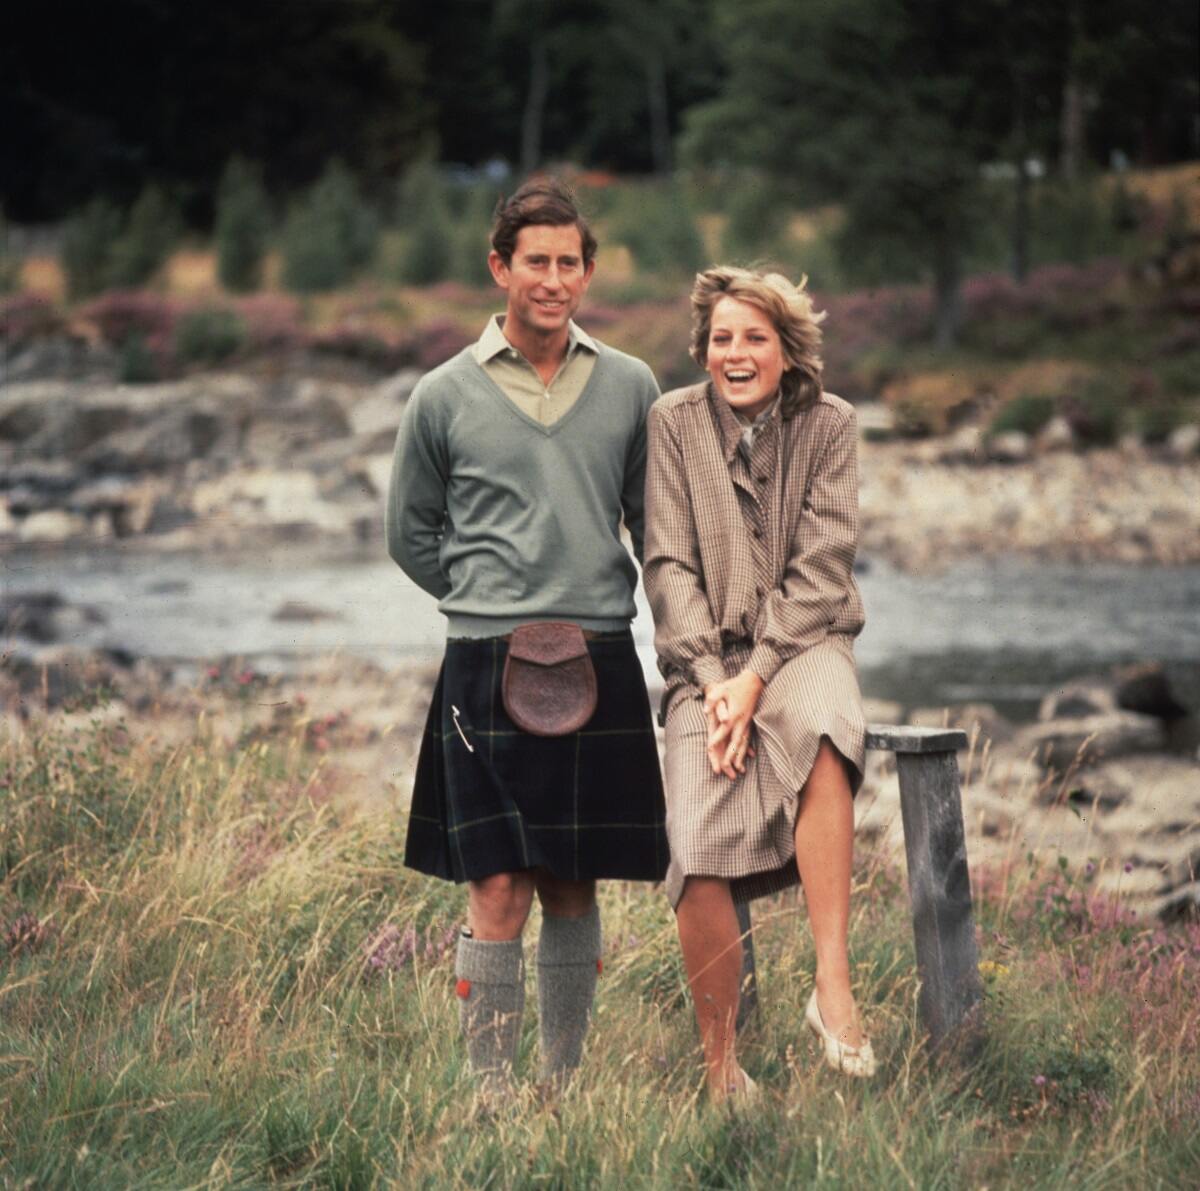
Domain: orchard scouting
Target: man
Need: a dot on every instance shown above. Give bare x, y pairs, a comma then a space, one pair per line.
514, 465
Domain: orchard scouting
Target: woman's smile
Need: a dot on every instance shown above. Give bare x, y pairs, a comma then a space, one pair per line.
745, 356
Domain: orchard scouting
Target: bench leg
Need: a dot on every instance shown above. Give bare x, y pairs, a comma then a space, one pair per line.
748, 1002
939, 886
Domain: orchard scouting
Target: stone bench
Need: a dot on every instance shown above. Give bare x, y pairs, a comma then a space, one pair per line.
939, 885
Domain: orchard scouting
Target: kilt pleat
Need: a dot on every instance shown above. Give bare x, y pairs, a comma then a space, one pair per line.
489, 798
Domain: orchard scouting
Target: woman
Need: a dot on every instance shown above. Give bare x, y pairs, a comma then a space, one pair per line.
751, 532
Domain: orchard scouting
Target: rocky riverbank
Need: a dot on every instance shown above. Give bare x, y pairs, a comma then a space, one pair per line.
1109, 773
235, 460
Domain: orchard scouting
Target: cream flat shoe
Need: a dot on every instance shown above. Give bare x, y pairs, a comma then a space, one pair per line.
858, 1061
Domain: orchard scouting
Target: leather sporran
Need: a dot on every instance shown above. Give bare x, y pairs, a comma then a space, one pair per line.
548, 686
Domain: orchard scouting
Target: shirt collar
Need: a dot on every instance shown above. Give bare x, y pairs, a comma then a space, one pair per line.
731, 427
492, 342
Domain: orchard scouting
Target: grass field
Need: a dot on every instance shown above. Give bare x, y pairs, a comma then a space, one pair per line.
188, 998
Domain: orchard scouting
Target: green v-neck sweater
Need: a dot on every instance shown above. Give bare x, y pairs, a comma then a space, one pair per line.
505, 520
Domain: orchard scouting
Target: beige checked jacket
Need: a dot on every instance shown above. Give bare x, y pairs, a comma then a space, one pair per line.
700, 574
749, 562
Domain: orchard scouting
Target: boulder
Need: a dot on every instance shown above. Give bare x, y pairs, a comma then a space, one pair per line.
883, 711
72, 427
1077, 698
1184, 442
52, 525
1056, 435
1010, 446
1146, 688
970, 717
45, 617
170, 440
298, 610
965, 445
1061, 743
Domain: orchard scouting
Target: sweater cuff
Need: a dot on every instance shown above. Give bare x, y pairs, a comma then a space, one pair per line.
765, 660
708, 669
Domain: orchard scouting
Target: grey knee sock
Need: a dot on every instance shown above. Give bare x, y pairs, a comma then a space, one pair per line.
568, 963
491, 992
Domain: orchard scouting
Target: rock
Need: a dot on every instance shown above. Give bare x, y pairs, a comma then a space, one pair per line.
399, 386
378, 471
1056, 435
8, 523
49, 477
300, 611
1077, 698
1184, 441
965, 445
981, 718
1011, 446
1144, 687
375, 419
52, 525
1062, 743
876, 421
170, 440
73, 427
52, 675
44, 616
280, 432
262, 499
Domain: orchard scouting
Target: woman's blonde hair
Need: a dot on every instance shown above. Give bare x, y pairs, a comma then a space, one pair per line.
791, 312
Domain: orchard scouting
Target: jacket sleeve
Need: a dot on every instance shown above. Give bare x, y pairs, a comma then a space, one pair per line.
686, 636
633, 490
415, 517
818, 573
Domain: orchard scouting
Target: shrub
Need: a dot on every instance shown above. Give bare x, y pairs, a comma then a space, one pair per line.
26, 317
136, 363
1095, 411
121, 314
10, 266
88, 239
1028, 413
151, 231
210, 335
756, 224
243, 226
471, 245
329, 235
656, 224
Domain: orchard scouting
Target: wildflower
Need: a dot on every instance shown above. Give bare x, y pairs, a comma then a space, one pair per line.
1039, 1081
213, 672
1128, 866
246, 677
993, 969
1089, 869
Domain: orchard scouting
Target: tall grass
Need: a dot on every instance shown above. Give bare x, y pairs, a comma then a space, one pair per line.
212, 974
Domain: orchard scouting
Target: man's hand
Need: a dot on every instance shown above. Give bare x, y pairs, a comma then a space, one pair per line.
729, 707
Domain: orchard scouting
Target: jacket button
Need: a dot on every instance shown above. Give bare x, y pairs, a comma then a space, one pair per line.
761, 479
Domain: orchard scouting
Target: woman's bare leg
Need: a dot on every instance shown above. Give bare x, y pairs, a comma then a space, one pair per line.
824, 856
712, 955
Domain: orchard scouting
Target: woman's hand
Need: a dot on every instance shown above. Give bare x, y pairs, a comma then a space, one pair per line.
729, 707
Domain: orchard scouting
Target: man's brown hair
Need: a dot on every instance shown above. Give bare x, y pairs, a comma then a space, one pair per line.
538, 201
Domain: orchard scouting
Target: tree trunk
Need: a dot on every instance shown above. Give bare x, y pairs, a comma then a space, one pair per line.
1071, 129
947, 279
660, 126
535, 108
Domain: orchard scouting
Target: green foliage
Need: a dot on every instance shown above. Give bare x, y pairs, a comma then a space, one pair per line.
136, 364
1096, 410
472, 233
88, 239
1027, 412
151, 230
657, 225
243, 226
209, 336
1073, 223
755, 223
10, 265
329, 235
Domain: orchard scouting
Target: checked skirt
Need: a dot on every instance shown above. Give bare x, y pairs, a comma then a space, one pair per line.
489, 798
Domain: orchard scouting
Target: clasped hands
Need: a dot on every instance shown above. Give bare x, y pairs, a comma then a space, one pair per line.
729, 707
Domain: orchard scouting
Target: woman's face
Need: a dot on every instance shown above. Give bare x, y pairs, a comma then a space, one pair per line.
745, 356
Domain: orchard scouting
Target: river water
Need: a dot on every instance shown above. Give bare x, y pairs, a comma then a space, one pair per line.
1003, 632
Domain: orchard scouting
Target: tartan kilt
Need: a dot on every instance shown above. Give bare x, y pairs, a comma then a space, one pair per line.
584, 806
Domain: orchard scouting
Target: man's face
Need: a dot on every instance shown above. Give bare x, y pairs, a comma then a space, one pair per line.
546, 279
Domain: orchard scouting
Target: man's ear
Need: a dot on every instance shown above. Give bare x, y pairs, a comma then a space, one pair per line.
499, 269
588, 270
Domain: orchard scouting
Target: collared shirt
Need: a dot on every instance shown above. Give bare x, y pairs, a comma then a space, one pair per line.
753, 427
519, 381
